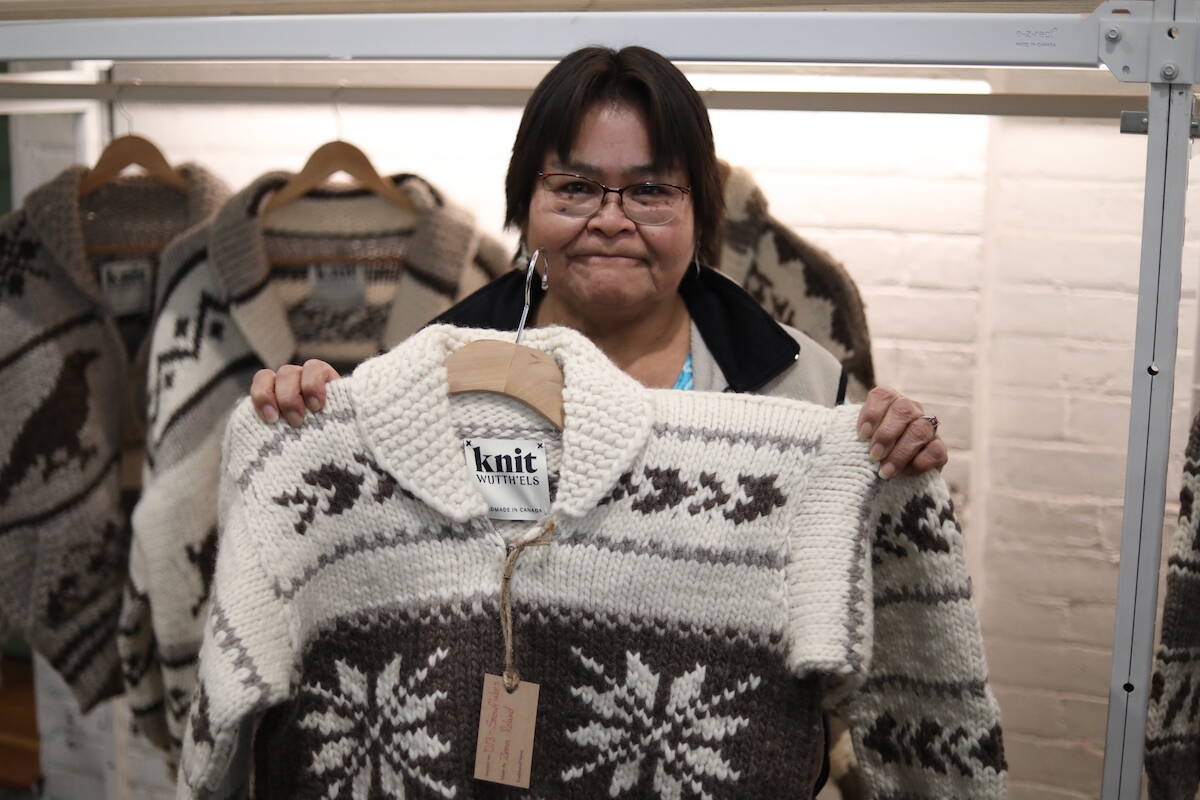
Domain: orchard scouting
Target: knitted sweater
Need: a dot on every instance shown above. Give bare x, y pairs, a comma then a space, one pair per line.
237, 296
797, 282
72, 326
723, 566
1173, 722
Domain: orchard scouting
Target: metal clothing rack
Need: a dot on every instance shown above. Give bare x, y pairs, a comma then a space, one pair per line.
1152, 42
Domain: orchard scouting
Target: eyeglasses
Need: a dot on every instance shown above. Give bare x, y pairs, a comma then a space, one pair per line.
643, 203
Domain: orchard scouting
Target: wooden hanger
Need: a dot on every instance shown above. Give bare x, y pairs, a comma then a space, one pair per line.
330, 159
126, 151
509, 368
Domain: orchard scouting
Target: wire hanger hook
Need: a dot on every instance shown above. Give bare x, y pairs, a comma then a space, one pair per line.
337, 109
529, 273
120, 108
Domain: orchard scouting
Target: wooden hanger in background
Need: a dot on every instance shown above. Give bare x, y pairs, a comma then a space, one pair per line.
328, 160
529, 375
127, 151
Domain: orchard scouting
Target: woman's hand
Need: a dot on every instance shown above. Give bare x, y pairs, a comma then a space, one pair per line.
901, 435
291, 391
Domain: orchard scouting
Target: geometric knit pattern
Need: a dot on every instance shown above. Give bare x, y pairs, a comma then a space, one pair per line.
1173, 720
223, 314
73, 325
797, 282
679, 742
724, 568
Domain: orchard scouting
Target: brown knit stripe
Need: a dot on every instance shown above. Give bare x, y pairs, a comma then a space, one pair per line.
245, 364
96, 631
718, 698
1173, 654
67, 504
695, 433
49, 335
927, 688
923, 596
431, 280
181, 272
747, 557
1175, 739
246, 296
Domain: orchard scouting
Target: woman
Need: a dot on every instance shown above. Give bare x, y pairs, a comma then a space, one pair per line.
627, 270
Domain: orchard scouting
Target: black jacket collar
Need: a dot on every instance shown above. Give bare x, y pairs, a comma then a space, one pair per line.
748, 345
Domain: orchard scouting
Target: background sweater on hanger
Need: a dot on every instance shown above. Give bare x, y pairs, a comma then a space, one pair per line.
76, 295
724, 567
1173, 720
800, 284
336, 275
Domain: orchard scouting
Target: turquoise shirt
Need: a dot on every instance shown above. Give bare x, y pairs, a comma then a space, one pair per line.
685, 380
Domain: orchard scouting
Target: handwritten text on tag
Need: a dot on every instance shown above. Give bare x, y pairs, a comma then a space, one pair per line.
506, 722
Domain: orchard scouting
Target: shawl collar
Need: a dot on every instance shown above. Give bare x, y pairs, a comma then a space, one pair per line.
402, 402
53, 211
445, 240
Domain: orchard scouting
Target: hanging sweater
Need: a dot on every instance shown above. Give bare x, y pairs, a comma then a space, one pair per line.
72, 328
1173, 721
797, 282
724, 566
237, 295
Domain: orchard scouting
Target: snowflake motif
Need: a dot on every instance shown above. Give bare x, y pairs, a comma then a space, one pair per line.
679, 738
371, 725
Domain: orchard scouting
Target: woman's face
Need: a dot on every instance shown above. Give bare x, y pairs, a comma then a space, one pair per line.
606, 263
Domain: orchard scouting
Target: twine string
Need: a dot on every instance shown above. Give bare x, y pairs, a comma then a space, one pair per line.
512, 678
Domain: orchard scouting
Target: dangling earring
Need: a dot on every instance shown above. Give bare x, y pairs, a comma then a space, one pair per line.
546, 273
696, 258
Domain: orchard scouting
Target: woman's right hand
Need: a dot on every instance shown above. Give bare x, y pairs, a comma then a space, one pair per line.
291, 391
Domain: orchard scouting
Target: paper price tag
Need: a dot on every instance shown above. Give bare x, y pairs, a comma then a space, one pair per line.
504, 752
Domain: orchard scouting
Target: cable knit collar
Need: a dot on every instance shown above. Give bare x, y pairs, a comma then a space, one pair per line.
54, 211
403, 406
445, 238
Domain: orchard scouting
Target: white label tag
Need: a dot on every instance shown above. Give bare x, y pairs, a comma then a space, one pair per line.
338, 285
511, 475
127, 285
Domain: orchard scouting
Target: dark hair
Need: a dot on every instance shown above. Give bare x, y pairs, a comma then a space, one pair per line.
680, 133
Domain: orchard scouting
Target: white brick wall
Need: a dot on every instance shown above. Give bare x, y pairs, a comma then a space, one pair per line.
998, 260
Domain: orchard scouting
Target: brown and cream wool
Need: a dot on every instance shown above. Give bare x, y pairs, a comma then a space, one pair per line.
76, 300
797, 282
1173, 720
724, 567
237, 295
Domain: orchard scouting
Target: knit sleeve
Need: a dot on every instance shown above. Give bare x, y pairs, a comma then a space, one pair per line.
1173, 721
248, 650
924, 722
140, 666
199, 365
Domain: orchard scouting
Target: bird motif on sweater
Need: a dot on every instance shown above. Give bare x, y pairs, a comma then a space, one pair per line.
50, 436
204, 559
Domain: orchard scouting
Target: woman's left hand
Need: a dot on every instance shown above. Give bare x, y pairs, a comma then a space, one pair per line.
901, 435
